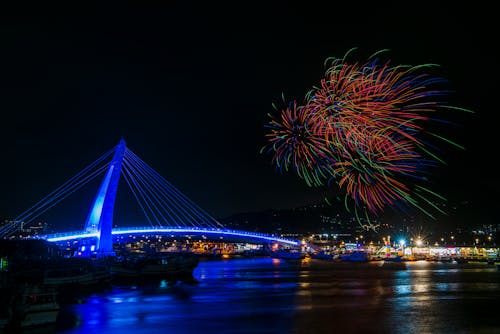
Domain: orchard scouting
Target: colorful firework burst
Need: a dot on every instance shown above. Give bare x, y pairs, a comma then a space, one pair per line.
296, 147
363, 129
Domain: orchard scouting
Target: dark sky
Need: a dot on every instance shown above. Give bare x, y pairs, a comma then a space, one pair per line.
188, 85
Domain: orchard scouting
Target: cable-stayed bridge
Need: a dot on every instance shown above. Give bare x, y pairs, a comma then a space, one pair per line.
166, 209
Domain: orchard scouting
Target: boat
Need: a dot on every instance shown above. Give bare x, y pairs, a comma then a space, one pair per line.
35, 305
356, 256
254, 252
76, 271
322, 255
393, 265
290, 254
168, 266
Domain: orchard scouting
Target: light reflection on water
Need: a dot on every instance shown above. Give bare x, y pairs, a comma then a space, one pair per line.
264, 295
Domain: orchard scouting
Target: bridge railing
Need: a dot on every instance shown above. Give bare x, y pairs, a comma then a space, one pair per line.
66, 236
181, 229
206, 230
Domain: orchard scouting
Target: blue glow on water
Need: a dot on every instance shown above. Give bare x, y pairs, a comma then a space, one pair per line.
262, 295
233, 297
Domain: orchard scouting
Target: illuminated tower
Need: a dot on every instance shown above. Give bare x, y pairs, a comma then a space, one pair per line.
100, 218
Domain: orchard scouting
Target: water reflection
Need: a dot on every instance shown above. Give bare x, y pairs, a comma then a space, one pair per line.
265, 295
440, 298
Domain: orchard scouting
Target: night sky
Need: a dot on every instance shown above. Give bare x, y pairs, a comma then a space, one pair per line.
188, 86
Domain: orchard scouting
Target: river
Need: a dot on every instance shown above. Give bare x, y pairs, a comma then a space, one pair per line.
265, 295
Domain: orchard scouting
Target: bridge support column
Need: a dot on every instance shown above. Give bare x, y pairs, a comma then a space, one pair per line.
100, 218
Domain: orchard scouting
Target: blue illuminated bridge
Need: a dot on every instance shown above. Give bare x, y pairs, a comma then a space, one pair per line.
167, 211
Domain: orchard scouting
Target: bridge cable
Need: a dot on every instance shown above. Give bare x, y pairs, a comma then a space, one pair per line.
170, 189
151, 185
147, 189
169, 195
167, 186
48, 205
63, 188
151, 188
142, 193
136, 196
150, 194
63, 195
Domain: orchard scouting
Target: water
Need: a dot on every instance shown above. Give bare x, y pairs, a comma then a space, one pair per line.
264, 295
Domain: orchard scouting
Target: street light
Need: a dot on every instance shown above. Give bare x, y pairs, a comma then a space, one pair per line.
402, 243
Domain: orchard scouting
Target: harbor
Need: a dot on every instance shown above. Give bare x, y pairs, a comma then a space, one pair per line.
37, 287
270, 295
37, 280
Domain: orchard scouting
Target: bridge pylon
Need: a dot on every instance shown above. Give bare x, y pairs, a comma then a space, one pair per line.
100, 217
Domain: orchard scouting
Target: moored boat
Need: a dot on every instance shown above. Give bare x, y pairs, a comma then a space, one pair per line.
321, 255
356, 256
393, 265
35, 305
76, 271
168, 266
288, 254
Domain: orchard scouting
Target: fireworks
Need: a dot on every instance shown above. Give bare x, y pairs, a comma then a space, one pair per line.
297, 147
363, 130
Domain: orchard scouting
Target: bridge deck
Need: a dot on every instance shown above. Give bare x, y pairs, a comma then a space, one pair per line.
212, 233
